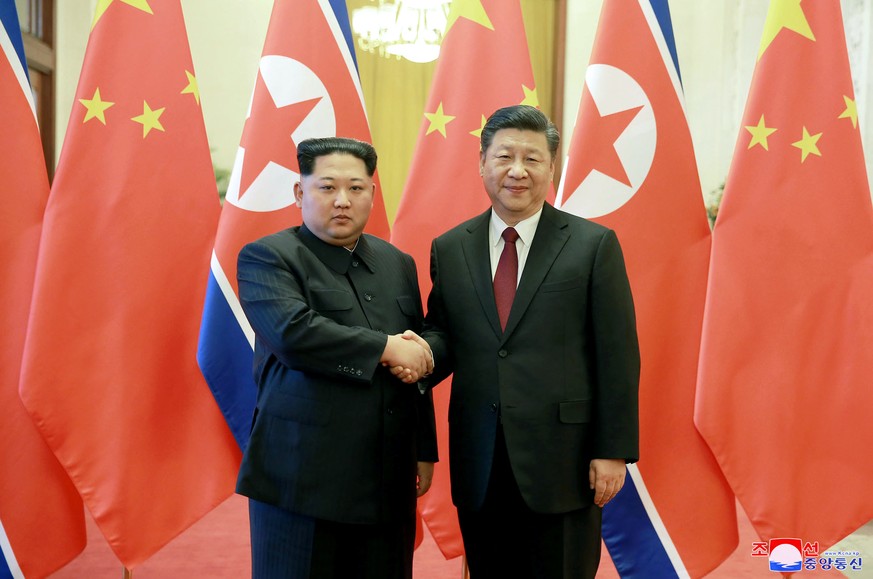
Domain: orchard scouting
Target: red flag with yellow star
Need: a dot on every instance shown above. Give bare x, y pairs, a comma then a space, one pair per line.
783, 392
444, 187
109, 373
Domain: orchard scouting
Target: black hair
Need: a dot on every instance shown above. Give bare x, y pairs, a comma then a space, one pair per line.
523, 118
311, 149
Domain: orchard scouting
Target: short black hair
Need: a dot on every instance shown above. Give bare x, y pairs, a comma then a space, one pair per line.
523, 118
309, 150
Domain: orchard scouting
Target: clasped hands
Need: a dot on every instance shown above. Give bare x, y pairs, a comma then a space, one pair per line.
408, 356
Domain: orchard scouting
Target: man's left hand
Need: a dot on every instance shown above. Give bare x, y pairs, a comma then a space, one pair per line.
424, 470
606, 477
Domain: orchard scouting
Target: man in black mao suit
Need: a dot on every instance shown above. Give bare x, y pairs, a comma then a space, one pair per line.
339, 447
543, 412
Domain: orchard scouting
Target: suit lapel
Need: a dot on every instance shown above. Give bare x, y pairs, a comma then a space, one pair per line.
478, 257
550, 238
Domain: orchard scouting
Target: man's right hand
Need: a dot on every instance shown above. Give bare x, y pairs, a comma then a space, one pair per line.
408, 360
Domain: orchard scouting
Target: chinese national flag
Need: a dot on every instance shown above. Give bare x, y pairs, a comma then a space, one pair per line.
631, 167
463, 94
784, 391
109, 373
304, 89
42, 524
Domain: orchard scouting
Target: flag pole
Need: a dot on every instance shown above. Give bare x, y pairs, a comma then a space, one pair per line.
126, 573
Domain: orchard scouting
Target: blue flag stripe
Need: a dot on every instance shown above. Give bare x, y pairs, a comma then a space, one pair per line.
225, 358
8, 565
9, 18
662, 13
634, 543
341, 13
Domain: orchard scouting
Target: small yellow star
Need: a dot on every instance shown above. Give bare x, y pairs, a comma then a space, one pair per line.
150, 119
807, 145
784, 14
469, 9
760, 132
193, 87
478, 132
438, 121
95, 107
530, 97
851, 111
103, 5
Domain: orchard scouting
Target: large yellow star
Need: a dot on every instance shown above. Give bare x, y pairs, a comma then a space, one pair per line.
95, 107
478, 132
784, 14
807, 145
469, 9
102, 6
530, 97
851, 111
150, 119
760, 132
438, 121
193, 87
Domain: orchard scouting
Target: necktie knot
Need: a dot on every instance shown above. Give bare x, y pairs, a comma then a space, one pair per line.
509, 235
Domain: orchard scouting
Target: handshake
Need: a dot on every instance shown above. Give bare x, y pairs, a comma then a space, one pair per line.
408, 356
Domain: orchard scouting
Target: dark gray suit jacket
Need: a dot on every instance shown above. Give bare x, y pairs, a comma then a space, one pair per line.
334, 435
563, 378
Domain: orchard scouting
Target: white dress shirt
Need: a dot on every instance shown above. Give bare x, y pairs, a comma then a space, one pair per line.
526, 230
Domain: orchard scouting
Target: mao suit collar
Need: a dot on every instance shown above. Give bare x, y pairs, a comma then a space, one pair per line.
336, 257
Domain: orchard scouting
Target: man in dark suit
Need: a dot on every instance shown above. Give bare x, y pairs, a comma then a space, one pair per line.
339, 447
538, 327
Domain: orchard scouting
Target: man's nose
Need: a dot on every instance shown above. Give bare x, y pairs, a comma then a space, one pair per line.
342, 198
517, 169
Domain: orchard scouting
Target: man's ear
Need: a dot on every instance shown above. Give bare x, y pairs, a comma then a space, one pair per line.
298, 194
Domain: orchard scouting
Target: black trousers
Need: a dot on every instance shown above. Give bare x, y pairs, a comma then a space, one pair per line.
286, 545
507, 539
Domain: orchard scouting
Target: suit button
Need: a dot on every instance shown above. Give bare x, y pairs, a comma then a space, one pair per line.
339, 368
390, 411
359, 372
493, 408
503, 353
368, 297
345, 368
354, 264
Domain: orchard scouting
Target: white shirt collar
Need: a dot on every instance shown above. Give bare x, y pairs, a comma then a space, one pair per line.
526, 228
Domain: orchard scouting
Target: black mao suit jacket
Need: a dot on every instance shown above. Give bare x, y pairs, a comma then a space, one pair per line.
562, 378
334, 435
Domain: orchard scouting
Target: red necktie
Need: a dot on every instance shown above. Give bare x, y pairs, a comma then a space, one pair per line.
506, 277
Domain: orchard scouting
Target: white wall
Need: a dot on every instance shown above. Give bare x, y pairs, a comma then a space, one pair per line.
717, 42
226, 38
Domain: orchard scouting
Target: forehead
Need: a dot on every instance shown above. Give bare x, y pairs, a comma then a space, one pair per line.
519, 139
339, 164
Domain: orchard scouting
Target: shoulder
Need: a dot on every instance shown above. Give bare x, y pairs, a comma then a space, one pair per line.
561, 218
465, 228
273, 248
576, 226
384, 248
281, 239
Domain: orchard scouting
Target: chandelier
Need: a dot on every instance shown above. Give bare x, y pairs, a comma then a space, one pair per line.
410, 29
